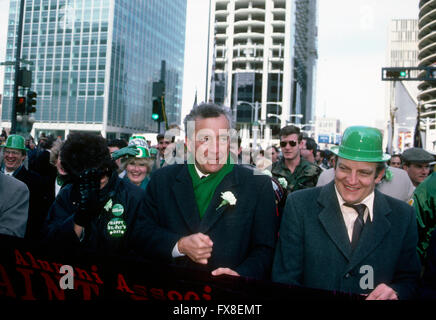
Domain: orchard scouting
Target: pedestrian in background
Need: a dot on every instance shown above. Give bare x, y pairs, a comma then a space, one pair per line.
416, 163
298, 172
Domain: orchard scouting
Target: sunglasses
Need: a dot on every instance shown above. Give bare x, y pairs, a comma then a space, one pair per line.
291, 143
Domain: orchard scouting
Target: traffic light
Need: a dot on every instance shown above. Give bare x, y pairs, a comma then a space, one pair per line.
31, 102
396, 73
20, 105
157, 110
158, 93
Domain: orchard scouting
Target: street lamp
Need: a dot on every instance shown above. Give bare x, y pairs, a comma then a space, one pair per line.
296, 115
256, 107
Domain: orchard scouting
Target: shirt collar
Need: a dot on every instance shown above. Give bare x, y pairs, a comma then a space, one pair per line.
200, 174
368, 201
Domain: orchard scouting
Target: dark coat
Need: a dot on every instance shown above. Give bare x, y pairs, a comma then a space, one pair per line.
39, 201
243, 235
59, 226
428, 281
314, 249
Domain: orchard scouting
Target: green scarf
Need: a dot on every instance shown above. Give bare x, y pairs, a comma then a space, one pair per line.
204, 189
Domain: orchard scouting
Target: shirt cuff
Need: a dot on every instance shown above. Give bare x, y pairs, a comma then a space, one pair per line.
176, 253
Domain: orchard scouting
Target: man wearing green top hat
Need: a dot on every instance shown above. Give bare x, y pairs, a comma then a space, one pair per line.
14, 154
347, 236
210, 213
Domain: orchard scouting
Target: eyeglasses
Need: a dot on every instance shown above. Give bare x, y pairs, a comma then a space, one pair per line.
291, 143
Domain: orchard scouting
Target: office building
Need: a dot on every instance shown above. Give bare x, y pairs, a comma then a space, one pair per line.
94, 63
263, 58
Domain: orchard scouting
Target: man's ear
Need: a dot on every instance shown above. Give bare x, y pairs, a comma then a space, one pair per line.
380, 176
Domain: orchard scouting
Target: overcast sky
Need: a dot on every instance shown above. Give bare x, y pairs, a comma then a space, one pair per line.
352, 51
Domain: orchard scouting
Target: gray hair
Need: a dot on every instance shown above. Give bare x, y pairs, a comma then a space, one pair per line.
208, 110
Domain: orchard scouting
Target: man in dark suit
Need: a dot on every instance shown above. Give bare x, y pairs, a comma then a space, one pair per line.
210, 213
39, 200
347, 236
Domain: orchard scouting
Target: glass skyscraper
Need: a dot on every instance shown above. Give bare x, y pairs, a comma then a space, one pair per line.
95, 61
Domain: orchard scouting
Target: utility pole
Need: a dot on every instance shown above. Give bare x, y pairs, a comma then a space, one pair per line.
207, 54
17, 69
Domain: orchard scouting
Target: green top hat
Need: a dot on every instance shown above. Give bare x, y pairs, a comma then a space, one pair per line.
15, 141
361, 143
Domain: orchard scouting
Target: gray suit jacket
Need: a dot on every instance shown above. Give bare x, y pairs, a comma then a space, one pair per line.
14, 206
314, 249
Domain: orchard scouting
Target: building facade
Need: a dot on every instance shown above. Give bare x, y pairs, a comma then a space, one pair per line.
263, 60
95, 61
427, 58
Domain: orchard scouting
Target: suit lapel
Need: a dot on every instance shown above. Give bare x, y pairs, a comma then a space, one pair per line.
374, 232
184, 195
332, 220
212, 215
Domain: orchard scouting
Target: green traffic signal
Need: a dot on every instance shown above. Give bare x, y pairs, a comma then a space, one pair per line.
156, 112
403, 73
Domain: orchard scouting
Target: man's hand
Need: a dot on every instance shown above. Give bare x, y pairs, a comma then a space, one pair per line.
220, 271
382, 292
198, 247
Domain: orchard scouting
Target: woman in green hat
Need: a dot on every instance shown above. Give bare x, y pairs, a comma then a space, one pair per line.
138, 168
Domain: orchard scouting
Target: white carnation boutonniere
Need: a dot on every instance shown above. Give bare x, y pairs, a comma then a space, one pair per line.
228, 199
283, 182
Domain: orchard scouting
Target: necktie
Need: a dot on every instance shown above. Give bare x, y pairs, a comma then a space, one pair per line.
358, 224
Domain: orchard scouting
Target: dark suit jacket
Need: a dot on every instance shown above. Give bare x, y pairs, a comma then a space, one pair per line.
314, 249
39, 201
243, 235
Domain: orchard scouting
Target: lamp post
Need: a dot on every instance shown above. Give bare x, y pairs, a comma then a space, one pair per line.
296, 115
256, 119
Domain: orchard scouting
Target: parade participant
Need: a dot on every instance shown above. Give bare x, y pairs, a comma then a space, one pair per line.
395, 183
308, 149
416, 163
298, 172
202, 213
272, 153
62, 178
39, 196
14, 211
328, 235
395, 161
424, 202
138, 167
162, 143
98, 211
115, 145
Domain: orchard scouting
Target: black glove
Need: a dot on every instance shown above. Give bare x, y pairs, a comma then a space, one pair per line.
89, 204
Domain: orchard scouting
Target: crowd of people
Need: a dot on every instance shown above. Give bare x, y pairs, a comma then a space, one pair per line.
291, 213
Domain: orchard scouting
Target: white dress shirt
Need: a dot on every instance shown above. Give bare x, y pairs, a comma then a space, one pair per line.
350, 215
